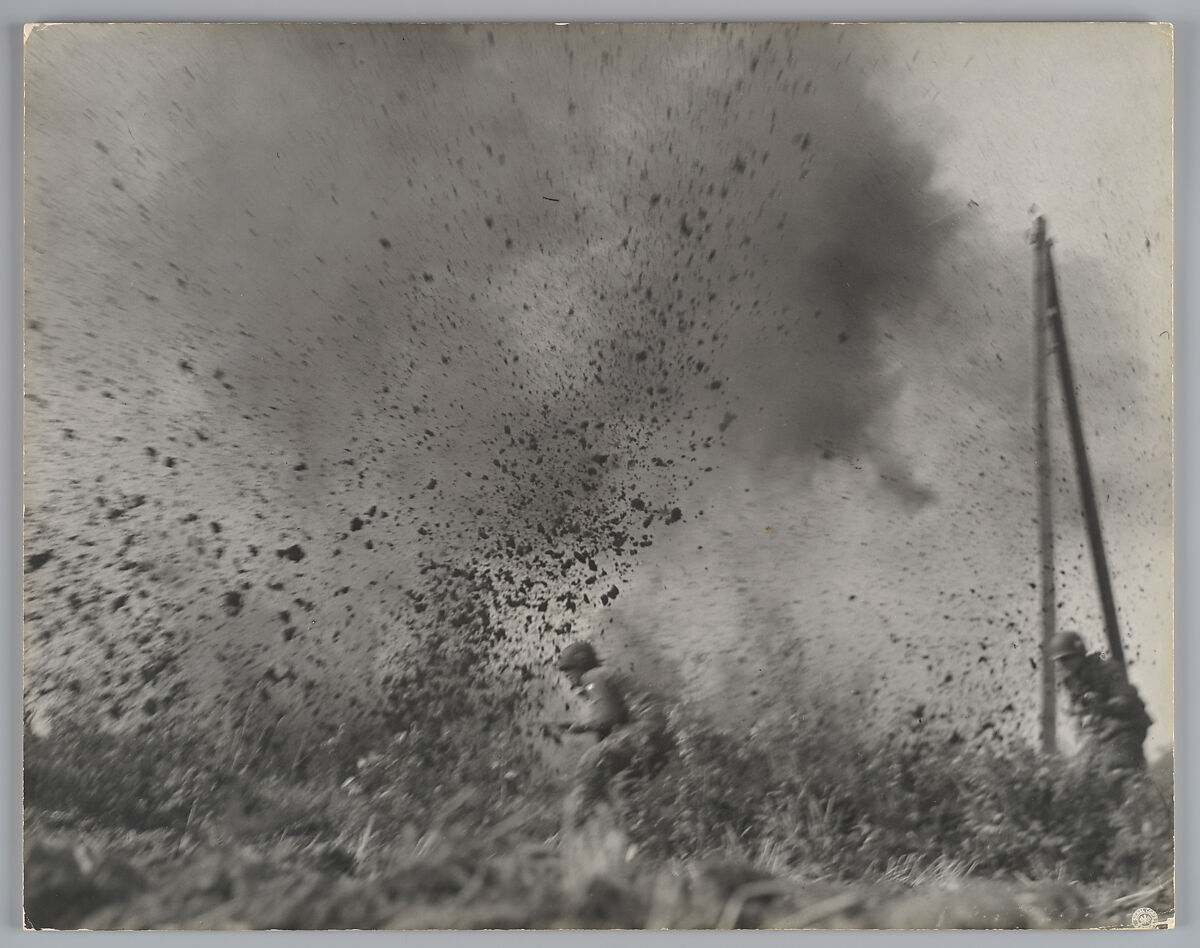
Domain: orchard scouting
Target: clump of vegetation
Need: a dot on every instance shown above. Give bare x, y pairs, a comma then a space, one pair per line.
824, 799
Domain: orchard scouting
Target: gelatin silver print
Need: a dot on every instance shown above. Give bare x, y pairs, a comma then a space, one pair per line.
632, 476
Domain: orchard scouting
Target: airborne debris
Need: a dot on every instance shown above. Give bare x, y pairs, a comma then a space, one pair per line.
36, 561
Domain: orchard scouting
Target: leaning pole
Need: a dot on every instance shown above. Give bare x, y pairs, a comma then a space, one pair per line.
1087, 493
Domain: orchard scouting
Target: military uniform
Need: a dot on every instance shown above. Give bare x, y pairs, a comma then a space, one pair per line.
1112, 718
633, 740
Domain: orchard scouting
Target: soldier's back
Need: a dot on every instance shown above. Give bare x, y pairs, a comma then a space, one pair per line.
1117, 718
606, 706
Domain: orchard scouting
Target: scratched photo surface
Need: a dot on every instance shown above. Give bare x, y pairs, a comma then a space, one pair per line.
526, 476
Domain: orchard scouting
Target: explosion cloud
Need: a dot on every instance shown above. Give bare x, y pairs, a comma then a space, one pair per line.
348, 347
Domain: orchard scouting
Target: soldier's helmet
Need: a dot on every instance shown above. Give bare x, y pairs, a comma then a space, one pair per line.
1065, 645
578, 656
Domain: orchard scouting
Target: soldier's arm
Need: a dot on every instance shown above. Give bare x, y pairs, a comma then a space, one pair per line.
571, 727
1124, 704
1117, 698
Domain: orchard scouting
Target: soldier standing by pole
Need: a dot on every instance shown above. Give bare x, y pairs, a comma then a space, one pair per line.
1112, 718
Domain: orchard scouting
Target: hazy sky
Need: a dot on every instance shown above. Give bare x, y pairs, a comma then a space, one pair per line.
506, 298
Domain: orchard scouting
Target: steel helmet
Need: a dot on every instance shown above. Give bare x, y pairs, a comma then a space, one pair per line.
1066, 644
578, 656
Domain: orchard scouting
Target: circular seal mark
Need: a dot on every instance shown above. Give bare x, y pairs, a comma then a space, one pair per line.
1145, 918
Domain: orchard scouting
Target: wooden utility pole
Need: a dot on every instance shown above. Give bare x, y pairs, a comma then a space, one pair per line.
1091, 512
1041, 398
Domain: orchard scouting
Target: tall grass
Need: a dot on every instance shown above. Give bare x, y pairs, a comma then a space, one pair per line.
791, 801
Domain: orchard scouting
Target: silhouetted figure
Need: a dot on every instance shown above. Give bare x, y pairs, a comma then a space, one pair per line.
1112, 718
633, 739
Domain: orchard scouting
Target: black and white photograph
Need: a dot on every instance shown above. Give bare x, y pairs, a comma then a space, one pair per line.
598, 476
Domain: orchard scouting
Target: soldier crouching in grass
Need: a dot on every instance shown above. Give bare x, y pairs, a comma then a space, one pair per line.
633, 738
1112, 718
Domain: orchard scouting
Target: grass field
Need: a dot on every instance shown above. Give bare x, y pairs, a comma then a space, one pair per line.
425, 829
